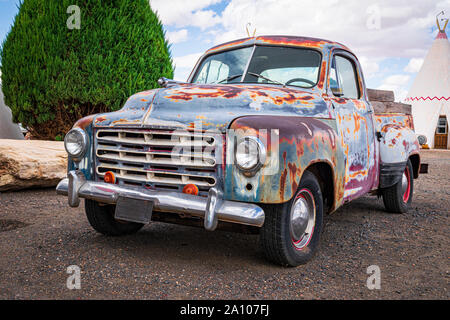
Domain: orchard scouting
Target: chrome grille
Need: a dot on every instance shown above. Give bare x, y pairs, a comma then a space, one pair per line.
158, 159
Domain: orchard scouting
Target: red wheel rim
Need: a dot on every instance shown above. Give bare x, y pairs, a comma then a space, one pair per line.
407, 192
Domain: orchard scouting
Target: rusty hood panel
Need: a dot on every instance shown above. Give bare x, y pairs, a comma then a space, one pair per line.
212, 106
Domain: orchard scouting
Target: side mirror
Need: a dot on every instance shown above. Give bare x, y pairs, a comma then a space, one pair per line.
162, 82
165, 83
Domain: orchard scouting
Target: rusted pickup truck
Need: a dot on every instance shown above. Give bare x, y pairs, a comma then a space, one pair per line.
267, 135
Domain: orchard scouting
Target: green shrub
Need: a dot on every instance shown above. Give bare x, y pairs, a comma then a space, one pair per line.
52, 76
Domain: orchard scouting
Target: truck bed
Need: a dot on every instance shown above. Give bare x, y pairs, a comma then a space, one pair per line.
389, 113
383, 102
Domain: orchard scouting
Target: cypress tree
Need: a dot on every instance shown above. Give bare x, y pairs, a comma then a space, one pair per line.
54, 73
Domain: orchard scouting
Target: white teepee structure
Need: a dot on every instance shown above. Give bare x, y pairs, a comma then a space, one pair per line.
430, 92
8, 129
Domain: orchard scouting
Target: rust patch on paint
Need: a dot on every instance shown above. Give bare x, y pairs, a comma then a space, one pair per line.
84, 122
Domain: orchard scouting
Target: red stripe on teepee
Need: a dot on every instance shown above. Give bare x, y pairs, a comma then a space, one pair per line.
427, 98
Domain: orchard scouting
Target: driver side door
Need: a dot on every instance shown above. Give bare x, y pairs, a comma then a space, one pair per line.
354, 120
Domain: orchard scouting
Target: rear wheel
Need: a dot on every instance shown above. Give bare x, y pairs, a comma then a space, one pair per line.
397, 199
291, 232
101, 218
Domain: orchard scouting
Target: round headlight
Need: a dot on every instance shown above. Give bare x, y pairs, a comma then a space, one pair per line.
250, 154
75, 142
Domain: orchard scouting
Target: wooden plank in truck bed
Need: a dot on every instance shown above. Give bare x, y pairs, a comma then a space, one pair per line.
380, 95
383, 102
390, 107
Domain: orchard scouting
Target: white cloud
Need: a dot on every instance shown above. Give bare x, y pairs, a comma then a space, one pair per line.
404, 29
187, 61
177, 36
396, 83
414, 65
404, 24
397, 79
182, 13
370, 67
184, 65
182, 74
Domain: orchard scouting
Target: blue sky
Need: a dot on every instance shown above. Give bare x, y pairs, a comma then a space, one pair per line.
8, 10
390, 37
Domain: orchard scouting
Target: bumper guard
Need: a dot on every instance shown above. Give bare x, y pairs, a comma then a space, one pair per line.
211, 209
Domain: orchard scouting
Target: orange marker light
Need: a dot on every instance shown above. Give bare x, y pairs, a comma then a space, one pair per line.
110, 177
190, 189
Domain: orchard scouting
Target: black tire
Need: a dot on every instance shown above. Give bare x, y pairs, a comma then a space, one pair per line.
275, 235
101, 218
395, 200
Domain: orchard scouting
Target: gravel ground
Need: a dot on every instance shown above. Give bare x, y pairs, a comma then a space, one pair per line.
40, 236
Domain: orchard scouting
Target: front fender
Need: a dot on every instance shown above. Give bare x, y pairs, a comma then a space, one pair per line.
302, 142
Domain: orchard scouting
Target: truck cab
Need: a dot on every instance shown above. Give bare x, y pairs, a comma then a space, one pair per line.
267, 135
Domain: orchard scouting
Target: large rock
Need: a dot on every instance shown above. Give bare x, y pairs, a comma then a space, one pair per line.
31, 163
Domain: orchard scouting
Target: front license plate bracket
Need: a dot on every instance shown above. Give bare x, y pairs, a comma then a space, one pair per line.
133, 210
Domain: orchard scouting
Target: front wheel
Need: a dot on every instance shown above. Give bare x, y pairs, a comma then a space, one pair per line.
291, 232
398, 198
101, 218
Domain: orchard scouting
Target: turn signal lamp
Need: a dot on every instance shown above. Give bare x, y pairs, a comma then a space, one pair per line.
110, 177
190, 189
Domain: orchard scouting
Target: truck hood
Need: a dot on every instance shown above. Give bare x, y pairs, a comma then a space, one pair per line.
211, 106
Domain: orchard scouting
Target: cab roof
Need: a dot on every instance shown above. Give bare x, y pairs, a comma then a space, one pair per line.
280, 41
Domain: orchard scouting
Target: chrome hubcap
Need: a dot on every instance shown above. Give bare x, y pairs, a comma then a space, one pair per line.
303, 217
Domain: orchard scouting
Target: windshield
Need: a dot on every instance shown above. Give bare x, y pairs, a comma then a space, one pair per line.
269, 65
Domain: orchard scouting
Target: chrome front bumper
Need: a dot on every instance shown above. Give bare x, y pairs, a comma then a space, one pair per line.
211, 209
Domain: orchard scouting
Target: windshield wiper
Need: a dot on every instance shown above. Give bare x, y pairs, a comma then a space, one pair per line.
265, 78
229, 78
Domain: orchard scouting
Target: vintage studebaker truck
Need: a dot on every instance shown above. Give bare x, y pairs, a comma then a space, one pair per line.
267, 135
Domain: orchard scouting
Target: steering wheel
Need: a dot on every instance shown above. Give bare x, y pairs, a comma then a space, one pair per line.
300, 79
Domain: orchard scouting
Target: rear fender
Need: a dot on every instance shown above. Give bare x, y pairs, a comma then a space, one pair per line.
397, 145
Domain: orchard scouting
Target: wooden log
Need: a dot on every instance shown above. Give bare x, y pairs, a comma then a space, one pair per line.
380, 95
390, 107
